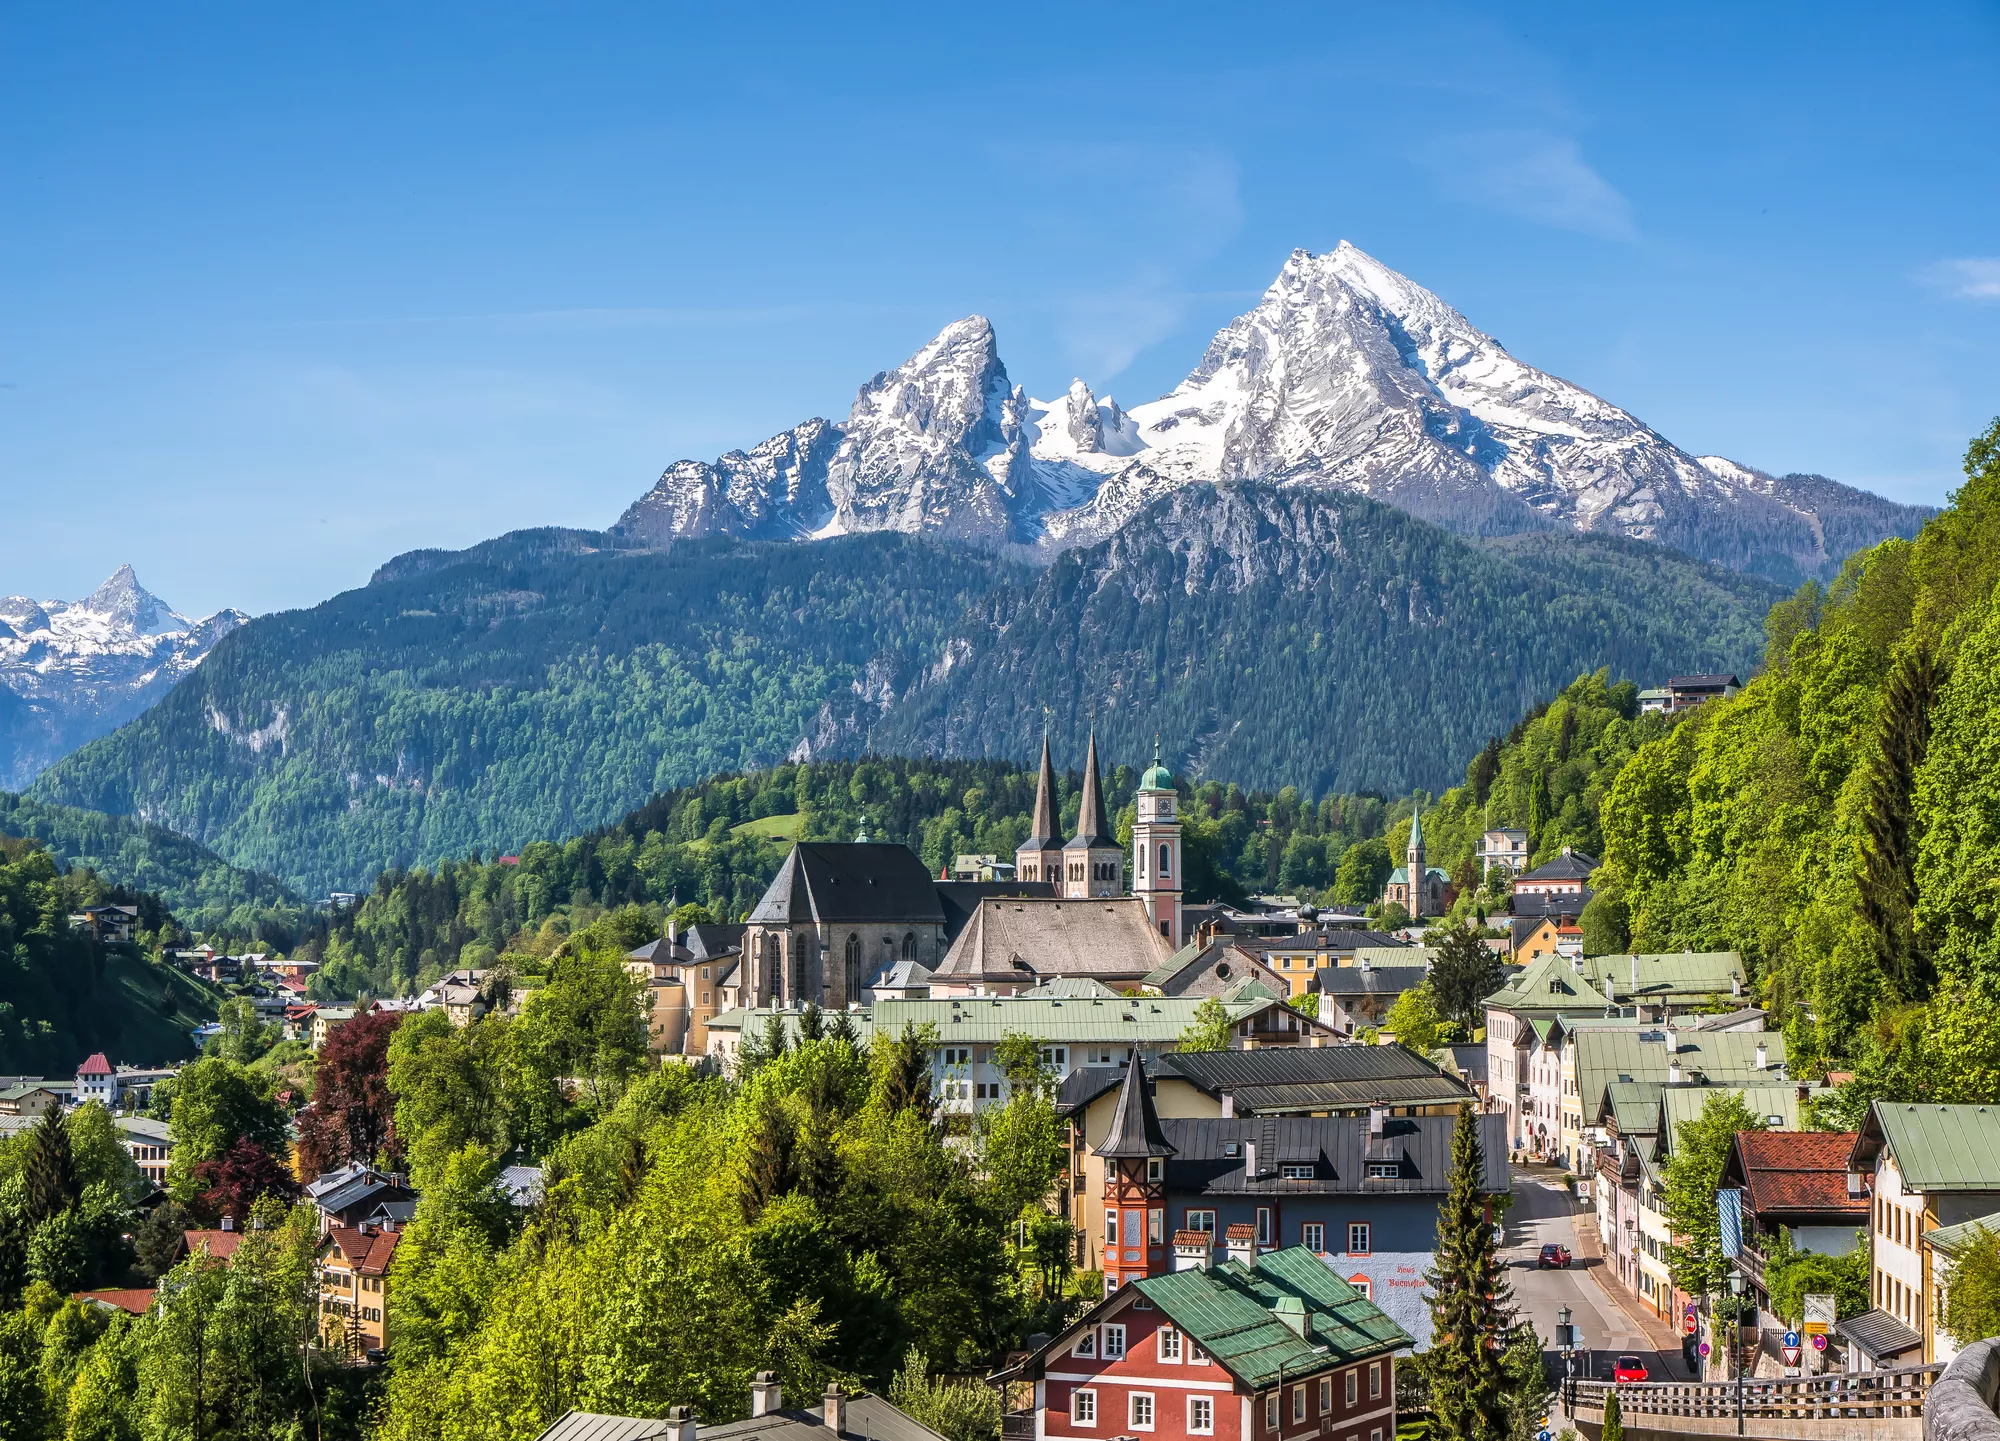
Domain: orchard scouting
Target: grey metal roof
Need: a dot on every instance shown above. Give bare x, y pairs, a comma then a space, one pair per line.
1339, 1148
1368, 980
869, 1418
1879, 1336
1568, 865
589, 1426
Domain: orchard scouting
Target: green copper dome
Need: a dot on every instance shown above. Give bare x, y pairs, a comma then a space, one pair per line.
1157, 777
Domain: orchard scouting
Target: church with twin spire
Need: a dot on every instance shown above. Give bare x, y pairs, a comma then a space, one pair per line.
1091, 863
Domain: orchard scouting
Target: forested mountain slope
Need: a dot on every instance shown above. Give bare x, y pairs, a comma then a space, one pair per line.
1839, 820
204, 891
1286, 636
531, 688
62, 995
538, 685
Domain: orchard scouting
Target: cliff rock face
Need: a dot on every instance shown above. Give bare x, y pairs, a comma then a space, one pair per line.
1345, 376
76, 670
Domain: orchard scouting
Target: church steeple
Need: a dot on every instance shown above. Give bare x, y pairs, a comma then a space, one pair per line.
1092, 863
1043, 833
1092, 828
1039, 858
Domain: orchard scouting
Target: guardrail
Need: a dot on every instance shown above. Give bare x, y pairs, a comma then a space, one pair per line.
1839, 1395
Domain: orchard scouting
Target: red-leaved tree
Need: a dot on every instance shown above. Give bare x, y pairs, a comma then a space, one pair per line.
352, 1116
231, 1183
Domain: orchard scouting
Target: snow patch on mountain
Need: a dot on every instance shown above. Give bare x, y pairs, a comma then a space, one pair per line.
84, 668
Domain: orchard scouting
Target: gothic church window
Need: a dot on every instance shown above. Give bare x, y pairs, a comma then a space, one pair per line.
909, 946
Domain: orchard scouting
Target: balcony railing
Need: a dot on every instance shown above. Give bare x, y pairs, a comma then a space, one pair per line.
1836, 1396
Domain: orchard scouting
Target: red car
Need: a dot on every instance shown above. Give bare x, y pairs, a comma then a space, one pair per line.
1553, 1255
1628, 1368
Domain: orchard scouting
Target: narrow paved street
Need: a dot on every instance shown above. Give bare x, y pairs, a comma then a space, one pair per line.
1542, 1212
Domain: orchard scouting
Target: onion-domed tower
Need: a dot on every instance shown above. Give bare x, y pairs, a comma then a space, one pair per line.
1156, 850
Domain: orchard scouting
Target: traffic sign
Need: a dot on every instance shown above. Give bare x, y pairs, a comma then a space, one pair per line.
1703, 1348
1691, 1324
1820, 1313
1819, 1343
1791, 1355
1791, 1340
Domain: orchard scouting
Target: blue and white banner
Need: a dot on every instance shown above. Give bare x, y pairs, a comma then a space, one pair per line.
1730, 1205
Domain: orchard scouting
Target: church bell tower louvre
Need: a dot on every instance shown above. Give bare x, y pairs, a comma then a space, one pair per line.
1156, 850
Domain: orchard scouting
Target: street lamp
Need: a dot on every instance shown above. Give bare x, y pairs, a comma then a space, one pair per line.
1566, 1343
1736, 1342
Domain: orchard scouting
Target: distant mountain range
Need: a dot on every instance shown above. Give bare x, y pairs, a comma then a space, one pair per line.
74, 670
1346, 376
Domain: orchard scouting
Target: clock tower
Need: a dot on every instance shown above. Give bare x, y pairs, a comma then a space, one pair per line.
1156, 850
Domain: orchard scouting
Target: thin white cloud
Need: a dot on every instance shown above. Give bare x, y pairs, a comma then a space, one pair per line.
1974, 277
1537, 176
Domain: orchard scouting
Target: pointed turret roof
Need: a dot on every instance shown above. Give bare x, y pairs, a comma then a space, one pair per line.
1416, 832
1135, 1125
1044, 835
1093, 831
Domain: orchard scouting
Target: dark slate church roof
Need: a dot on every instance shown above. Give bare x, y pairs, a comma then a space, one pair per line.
833, 881
1093, 829
1278, 1079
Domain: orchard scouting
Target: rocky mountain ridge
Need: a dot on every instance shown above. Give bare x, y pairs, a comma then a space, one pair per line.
1346, 375
71, 671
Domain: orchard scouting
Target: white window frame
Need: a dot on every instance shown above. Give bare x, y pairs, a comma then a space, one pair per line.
1112, 1348
1135, 1402
1156, 1226
1313, 1236
1326, 1395
1293, 1171
1375, 1381
1271, 1411
1196, 1356
1196, 1426
1298, 1403
1353, 1387
1087, 1395
1111, 1226
1085, 1345
1206, 1221
1264, 1221
1169, 1343
1156, 1168
1361, 1231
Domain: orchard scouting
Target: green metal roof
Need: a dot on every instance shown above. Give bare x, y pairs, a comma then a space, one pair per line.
1943, 1148
1608, 1054
1674, 973
1231, 1310
1679, 1104
1635, 1106
1949, 1240
1145, 1020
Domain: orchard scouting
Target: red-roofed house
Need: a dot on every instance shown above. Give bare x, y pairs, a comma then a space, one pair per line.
96, 1080
1797, 1180
354, 1276
219, 1245
134, 1300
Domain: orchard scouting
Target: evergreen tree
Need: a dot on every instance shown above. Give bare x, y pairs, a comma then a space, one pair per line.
1888, 878
1470, 1317
1464, 974
1614, 1420
49, 1184
907, 1066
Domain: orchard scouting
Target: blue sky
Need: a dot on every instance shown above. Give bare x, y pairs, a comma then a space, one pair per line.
284, 293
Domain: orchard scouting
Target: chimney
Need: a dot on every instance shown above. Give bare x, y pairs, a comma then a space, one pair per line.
228, 1222
765, 1394
836, 1408
1673, 1040
680, 1424
1242, 1242
1635, 975
1292, 1311
1228, 1105
1854, 1186
1763, 1055
1194, 1250
1378, 1116
1249, 1160
1735, 985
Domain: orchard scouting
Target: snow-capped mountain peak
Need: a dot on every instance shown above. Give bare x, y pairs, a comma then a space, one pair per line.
1345, 374
86, 667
